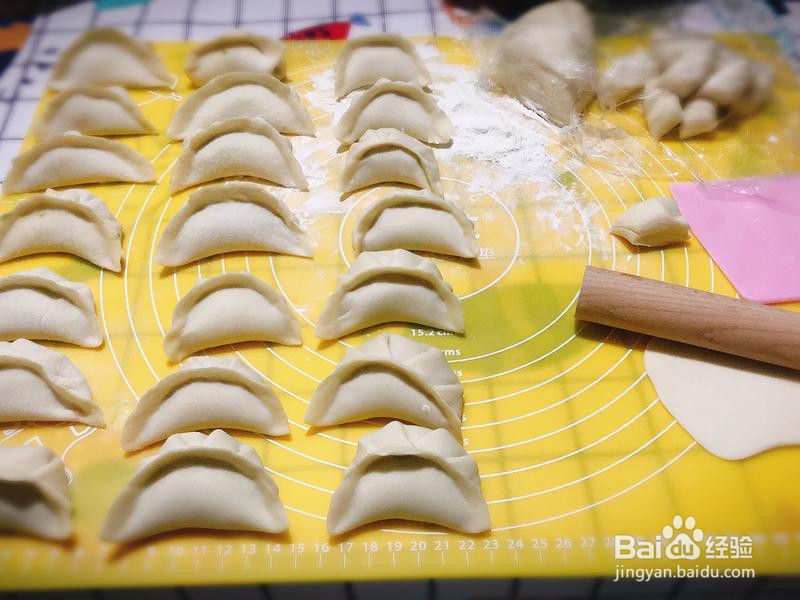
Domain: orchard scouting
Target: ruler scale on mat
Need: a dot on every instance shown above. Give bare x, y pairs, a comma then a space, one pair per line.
572, 443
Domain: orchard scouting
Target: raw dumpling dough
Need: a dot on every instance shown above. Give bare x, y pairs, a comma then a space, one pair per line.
237, 148
546, 59
236, 216
415, 221
662, 110
34, 493
699, 116
235, 51
205, 393
654, 222
40, 305
411, 473
390, 156
729, 81
732, 406
690, 69
367, 59
40, 384
227, 309
390, 376
236, 95
387, 287
107, 56
74, 159
73, 221
624, 77
197, 481
395, 105
91, 110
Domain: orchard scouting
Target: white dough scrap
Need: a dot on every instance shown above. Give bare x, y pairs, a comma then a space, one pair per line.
654, 222
410, 473
196, 481
73, 221
34, 493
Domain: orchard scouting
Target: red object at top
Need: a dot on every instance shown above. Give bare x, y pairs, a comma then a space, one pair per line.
338, 30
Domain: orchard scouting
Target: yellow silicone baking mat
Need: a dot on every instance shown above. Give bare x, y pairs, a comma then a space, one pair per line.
572, 443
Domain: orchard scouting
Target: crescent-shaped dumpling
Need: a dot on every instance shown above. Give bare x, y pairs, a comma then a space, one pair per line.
394, 377
387, 287
205, 393
34, 493
227, 309
235, 95
40, 305
40, 384
396, 105
237, 148
384, 156
74, 159
410, 473
197, 481
107, 56
73, 221
367, 59
235, 51
236, 216
415, 221
91, 110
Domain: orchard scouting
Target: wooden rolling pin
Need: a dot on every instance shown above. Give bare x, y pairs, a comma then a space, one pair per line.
664, 310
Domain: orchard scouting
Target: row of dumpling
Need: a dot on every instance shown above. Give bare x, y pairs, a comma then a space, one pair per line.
399, 472
689, 80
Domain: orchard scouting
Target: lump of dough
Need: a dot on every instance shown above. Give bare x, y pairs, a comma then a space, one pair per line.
690, 69
392, 377
699, 116
197, 481
73, 221
41, 384
729, 81
662, 111
547, 60
410, 473
624, 77
205, 393
235, 51
91, 110
34, 493
654, 222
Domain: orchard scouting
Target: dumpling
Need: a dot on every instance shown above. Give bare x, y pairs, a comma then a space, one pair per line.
73, 221
40, 305
235, 51
91, 110
729, 80
227, 309
390, 156
235, 216
234, 95
410, 473
662, 110
390, 376
654, 222
546, 59
206, 392
396, 105
415, 221
237, 148
624, 77
34, 493
40, 384
196, 481
367, 59
74, 159
387, 287
699, 116
107, 56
